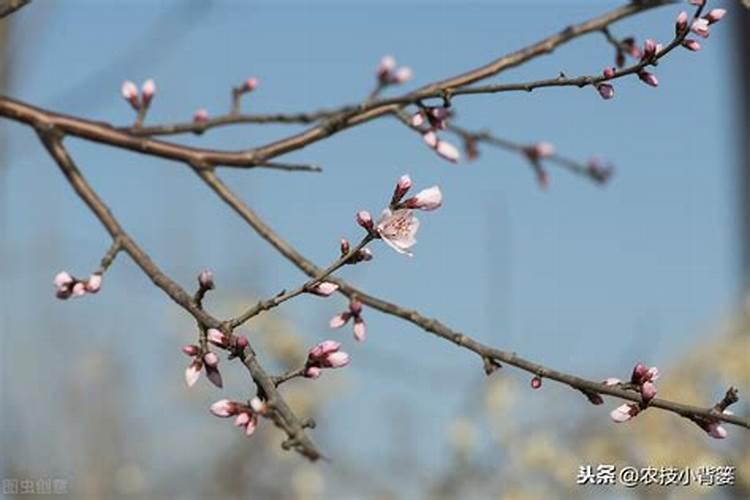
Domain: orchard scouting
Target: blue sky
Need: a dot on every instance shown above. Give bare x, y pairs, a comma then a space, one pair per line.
583, 278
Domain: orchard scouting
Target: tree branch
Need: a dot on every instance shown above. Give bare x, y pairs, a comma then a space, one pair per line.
437, 328
8, 7
285, 418
207, 158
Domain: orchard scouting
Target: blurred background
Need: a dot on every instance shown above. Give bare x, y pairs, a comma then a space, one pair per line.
587, 279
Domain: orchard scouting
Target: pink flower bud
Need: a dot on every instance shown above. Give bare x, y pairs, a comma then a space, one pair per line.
64, 285
250, 84
191, 350
94, 283
344, 246
691, 44
402, 187
364, 219
714, 15
417, 119
652, 374
324, 348
324, 289
624, 412
130, 94
716, 430
200, 115
206, 280
336, 360
609, 72
648, 392
700, 27
312, 372
606, 90
448, 151
360, 330
242, 419
339, 320
649, 49
439, 112
430, 138
63, 279
211, 359
224, 408
216, 337
79, 289
536, 382
639, 374
427, 199
648, 78
193, 372
129, 90
148, 90
387, 64
681, 23
402, 75
240, 342
251, 426
355, 306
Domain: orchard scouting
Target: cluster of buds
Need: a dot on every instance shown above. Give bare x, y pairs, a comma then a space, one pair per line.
354, 312
66, 286
435, 116
139, 102
397, 225
362, 255
428, 120
209, 360
650, 49
606, 90
199, 360
642, 379
427, 199
327, 354
246, 416
388, 73
535, 153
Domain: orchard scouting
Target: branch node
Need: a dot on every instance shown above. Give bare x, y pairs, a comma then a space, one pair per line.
490, 365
